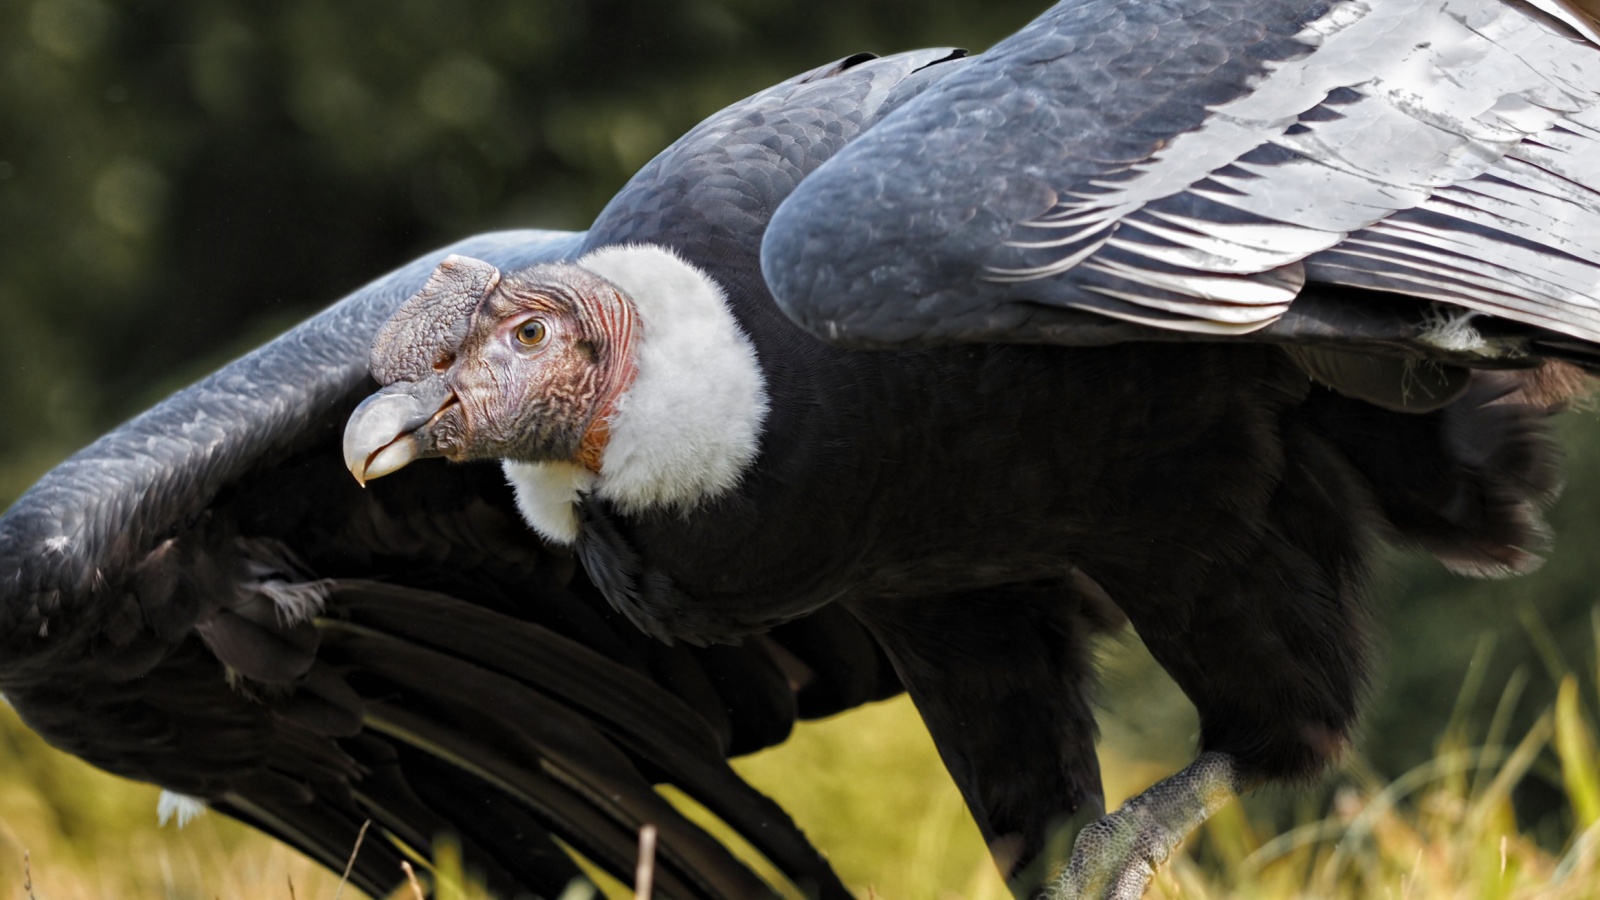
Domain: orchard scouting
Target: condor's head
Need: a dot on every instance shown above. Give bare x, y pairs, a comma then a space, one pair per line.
622, 374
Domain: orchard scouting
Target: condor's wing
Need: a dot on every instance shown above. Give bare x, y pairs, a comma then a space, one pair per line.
206, 600
1175, 169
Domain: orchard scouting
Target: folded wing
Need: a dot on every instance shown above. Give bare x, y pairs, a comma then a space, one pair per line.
1185, 167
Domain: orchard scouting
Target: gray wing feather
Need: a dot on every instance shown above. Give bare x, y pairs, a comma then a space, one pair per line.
1187, 165
714, 189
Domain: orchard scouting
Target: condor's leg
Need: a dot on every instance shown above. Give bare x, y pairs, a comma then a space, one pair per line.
1269, 643
1003, 679
1116, 856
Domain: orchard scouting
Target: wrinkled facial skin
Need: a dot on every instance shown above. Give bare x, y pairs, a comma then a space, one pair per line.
527, 379
478, 365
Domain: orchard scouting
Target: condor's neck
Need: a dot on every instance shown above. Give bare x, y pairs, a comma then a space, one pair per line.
690, 423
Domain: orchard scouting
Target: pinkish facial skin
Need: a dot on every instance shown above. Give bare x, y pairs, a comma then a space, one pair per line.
478, 365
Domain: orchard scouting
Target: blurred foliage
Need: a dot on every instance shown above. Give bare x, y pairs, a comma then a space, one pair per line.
181, 179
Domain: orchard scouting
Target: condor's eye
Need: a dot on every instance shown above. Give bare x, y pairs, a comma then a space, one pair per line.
531, 333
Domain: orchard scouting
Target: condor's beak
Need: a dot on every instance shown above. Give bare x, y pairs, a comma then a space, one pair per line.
391, 429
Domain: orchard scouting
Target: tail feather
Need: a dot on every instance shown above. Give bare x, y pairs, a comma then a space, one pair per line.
319, 831
541, 755
661, 736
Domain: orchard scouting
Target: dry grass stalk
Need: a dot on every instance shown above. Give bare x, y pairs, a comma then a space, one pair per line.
351, 862
645, 874
411, 878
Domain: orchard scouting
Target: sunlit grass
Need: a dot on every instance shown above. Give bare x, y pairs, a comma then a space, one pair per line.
869, 789
1444, 830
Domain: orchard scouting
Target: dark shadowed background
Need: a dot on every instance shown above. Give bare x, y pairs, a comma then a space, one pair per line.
180, 180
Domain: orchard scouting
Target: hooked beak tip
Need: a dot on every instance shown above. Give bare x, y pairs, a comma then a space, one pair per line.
388, 432
392, 457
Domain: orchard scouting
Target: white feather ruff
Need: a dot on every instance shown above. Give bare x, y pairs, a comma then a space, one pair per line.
691, 423
545, 494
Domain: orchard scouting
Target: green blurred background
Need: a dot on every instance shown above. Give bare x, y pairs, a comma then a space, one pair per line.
180, 180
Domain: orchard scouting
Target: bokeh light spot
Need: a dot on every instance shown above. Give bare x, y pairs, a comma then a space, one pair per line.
69, 28
129, 195
459, 91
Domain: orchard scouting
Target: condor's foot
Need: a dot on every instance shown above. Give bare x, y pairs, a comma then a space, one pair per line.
1115, 857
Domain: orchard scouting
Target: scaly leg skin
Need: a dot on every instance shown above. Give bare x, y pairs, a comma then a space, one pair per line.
1115, 857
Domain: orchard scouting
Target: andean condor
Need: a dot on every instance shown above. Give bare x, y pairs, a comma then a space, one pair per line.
911, 371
